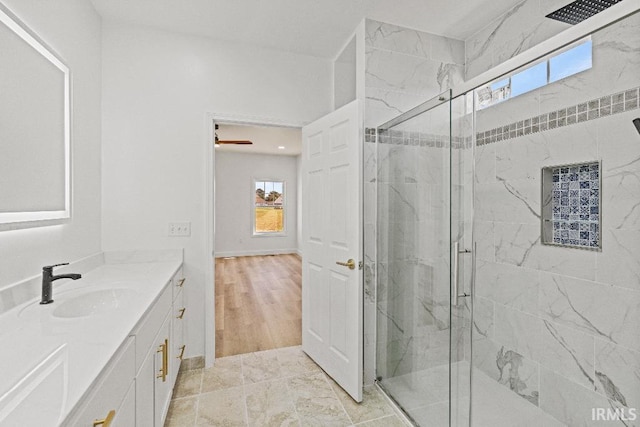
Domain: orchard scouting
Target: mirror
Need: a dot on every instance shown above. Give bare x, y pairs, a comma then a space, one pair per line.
34, 127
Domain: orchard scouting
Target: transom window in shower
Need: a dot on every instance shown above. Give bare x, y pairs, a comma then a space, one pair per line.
571, 205
568, 62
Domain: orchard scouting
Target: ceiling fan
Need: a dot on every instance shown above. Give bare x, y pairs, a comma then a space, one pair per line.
232, 141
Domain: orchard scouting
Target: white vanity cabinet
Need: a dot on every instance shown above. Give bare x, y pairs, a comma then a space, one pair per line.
136, 386
159, 357
111, 402
153, 384
163, 385
154, 377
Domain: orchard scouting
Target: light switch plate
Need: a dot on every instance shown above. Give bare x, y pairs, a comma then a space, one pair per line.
179, 229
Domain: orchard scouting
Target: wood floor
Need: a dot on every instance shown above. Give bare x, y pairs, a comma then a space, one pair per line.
258, 303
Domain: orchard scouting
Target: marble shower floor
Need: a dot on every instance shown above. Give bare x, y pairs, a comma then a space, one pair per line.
281, 387
424, 395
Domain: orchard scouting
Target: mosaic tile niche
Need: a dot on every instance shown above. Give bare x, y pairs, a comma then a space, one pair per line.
571, 205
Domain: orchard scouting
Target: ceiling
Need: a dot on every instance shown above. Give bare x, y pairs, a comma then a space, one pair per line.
315, 27
266, 139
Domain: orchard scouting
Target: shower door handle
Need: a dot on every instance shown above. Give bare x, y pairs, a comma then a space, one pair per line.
456, 261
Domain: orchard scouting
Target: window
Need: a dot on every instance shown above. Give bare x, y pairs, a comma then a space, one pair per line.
501, 90
529, 79
567, 63
570, 62
268, 207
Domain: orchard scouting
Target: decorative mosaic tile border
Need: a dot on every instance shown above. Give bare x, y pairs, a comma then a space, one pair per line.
415, 139
369, 134
590, 110
594, 109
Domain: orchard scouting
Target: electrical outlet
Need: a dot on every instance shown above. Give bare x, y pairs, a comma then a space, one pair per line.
179, 229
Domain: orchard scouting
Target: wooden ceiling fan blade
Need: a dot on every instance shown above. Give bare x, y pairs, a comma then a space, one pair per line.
238, 142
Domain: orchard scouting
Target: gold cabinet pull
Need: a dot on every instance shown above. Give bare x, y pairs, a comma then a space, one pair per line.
181, 352
181, 282
165, 360
105, 422
350, 263
181, 315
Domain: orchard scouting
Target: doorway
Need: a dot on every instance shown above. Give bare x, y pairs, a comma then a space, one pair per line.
333, 161
257, 263
258, 303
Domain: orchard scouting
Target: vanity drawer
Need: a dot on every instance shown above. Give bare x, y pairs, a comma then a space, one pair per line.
148, 328
110, 391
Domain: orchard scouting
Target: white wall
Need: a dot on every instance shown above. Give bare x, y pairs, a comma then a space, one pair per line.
345, 75
72, 28
158, 87
235, 195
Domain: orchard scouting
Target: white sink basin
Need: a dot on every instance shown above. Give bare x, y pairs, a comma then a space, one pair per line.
92, 303
79, 303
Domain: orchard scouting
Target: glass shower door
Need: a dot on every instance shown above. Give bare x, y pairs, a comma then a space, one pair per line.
420, 346
462, 155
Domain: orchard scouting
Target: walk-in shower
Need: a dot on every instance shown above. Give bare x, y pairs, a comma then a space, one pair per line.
477, 321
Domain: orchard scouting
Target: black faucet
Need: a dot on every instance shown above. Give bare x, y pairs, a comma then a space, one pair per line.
48, 277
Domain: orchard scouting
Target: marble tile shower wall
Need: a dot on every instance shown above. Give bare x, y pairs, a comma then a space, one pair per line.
403, 68
559, 326
369, 220
518, 29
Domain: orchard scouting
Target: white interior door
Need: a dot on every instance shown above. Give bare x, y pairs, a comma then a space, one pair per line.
332, 232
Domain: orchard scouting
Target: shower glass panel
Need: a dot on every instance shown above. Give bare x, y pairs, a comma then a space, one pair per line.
478, 322
420, 335
462, 152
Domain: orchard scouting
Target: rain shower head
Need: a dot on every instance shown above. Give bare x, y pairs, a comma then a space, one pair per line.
636, 123
580, 10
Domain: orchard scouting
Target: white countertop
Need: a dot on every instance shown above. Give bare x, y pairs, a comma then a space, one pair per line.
29, 334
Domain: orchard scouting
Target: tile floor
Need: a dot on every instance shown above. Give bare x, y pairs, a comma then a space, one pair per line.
281, 387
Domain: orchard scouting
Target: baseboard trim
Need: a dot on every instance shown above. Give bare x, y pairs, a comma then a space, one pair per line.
256, 252
192, 363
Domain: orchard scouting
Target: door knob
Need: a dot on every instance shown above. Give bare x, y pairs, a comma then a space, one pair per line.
350, 263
